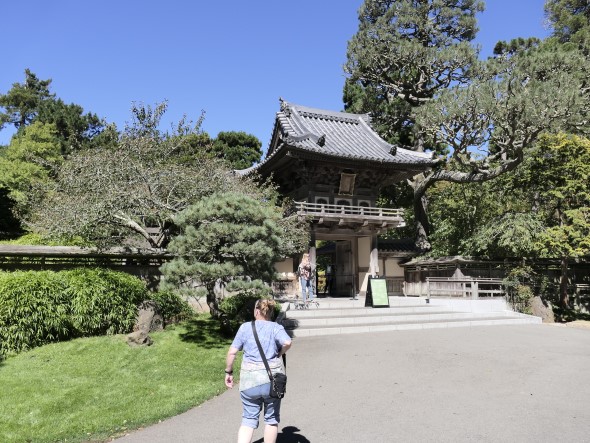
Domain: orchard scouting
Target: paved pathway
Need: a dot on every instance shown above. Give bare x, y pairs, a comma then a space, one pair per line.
480, 384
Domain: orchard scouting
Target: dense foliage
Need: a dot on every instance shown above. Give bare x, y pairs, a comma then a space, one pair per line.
31, 101
38, 307
28, 164
171, 306
142, 183
541, 209
411, 64
239, 149
225, 239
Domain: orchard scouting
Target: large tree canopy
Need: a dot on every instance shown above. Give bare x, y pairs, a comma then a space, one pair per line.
485, 113
135, 187
570, 20
239, 149
404, 52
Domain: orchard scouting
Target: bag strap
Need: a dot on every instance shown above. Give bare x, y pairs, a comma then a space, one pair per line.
260, 350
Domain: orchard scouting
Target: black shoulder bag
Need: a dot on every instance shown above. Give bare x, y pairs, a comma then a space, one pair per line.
278, 382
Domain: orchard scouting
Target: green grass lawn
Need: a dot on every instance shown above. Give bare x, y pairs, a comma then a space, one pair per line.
92, 388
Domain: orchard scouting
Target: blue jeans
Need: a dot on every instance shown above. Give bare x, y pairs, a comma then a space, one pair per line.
253, 400
306, 284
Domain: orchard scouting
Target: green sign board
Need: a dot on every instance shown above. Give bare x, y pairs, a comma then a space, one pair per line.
377, 293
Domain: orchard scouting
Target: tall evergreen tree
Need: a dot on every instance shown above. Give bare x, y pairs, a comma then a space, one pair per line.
23, 100
404, 52
570, 20
28, 165
486, 114
32, 101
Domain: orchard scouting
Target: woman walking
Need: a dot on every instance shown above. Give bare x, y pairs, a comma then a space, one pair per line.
254, 379
305, 272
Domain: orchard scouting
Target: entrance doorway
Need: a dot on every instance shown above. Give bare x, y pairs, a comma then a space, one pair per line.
335, 263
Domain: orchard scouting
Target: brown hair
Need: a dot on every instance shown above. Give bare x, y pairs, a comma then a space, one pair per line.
266, 307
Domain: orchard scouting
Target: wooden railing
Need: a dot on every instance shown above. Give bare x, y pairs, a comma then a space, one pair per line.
394, 285
321, 208
464, 287
355, 214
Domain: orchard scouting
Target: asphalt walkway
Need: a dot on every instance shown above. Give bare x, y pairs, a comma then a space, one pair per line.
480, 384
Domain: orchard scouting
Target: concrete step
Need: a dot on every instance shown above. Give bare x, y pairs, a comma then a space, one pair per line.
315, 312
371, 318
407, 325
345, 316
359, 302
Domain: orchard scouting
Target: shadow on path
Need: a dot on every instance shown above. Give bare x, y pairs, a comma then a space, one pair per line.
288, 435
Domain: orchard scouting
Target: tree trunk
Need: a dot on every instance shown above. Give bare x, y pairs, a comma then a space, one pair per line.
563, 297
212, 301
422, 223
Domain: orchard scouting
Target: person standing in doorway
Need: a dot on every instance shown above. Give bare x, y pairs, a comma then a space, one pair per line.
305, 272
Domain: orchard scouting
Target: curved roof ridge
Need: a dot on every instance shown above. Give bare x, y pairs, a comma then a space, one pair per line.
308, 111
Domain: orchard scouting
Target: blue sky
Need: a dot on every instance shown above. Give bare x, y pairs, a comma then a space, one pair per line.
233, 59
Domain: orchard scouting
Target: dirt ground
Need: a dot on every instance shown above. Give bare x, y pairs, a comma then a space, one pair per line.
583, 324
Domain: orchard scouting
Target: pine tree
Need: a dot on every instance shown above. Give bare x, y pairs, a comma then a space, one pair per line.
225, 238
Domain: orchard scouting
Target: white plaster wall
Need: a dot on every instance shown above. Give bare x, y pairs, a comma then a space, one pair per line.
285, 268
392, 268
364, 252
363, 260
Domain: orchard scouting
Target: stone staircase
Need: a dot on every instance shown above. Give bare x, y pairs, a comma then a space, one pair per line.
347, 316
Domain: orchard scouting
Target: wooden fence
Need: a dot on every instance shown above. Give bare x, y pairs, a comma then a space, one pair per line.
456, 287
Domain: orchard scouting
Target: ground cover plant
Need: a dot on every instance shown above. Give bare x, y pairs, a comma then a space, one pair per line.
90, 389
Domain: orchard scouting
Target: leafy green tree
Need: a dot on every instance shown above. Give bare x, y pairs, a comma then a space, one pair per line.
495, 218
224, 238
28, 165
135, 188
23, 101
560, 181
541, 209
241, 150
404, 52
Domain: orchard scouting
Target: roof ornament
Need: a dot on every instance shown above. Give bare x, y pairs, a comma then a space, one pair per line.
285, 107
393, 150
322, 140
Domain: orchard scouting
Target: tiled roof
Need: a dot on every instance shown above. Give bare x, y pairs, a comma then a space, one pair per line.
338, 134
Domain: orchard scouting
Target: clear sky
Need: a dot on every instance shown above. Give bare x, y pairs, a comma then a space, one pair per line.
232, 58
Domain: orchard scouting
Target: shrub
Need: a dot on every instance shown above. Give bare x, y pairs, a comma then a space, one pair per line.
103, 301
519, 288
172, 307
32, 310
239, 308
38, 307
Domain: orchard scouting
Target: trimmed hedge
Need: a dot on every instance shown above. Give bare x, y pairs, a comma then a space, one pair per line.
38, 307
